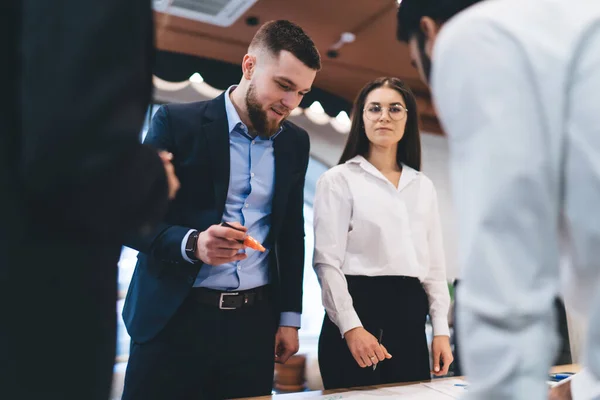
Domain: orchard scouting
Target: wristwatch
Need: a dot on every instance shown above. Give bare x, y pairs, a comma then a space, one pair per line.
191, 245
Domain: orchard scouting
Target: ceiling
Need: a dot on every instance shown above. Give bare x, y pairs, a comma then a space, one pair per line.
375, 52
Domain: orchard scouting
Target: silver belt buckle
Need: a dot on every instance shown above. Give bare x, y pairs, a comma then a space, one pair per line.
221, 299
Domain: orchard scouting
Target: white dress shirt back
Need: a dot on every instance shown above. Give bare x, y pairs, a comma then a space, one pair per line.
517, 87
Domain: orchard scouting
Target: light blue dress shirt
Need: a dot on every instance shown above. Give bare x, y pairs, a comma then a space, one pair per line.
249, 201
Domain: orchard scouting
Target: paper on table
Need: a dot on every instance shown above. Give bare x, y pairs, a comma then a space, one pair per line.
417, 392
411, 392
455, 388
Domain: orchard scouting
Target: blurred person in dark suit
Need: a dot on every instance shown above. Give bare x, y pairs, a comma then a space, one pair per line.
75, 182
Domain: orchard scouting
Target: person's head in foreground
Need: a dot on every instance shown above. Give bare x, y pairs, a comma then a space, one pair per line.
419, 22
385, 118
279, 69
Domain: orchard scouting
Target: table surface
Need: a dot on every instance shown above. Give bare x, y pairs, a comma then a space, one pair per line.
316, 393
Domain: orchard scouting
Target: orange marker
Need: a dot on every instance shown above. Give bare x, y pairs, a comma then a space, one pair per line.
249, 241
253, 244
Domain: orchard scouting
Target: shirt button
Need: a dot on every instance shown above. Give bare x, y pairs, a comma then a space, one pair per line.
239, 268
246, 205
253, 142
252, 174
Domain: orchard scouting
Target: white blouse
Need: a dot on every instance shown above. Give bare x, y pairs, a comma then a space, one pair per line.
366, 226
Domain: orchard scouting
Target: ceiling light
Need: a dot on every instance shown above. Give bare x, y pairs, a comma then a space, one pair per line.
196, 78
316, 107
342, 123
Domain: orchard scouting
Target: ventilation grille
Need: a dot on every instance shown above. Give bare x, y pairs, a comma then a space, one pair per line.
216, 12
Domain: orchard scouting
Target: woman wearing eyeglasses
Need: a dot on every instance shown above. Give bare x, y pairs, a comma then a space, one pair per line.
378, 250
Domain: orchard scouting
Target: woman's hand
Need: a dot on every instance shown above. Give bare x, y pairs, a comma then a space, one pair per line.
442, 353
364, 347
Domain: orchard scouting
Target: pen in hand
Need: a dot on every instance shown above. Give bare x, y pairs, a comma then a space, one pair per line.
249, 241
379, 339
560, 376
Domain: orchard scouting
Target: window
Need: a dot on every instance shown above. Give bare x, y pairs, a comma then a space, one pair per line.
313, 313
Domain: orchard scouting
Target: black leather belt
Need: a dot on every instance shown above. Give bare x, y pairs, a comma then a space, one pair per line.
229, 300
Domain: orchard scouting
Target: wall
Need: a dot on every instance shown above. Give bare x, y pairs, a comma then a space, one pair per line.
435, 166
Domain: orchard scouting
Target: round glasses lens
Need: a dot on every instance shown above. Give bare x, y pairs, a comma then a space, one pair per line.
395, 113
373, 113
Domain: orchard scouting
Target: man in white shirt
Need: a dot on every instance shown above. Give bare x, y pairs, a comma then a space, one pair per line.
516, 86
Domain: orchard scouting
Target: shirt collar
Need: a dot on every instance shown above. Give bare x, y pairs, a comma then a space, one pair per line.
407, 176
233, 118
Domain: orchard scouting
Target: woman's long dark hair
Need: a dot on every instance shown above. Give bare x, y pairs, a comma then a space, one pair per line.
409, 147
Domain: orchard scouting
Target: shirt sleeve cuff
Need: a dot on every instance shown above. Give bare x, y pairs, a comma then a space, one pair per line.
584, 386
290, 319
348, 320
440, 326
183, 243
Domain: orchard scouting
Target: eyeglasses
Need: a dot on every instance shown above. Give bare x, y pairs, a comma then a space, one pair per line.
374, 112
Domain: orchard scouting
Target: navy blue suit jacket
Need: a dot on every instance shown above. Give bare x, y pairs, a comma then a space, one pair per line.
198, 136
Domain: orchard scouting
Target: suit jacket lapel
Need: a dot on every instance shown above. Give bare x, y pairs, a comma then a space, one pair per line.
217, 139
283, 161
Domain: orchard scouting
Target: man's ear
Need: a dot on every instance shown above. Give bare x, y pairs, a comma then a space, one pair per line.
430, 29
248, 66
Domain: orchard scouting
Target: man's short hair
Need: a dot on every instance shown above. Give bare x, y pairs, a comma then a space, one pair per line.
275, 36
410, 13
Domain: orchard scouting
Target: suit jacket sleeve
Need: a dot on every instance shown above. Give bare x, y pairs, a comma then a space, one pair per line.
164, 241
290, 246
84, 88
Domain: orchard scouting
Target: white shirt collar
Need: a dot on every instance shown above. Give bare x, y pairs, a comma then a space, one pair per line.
407, 176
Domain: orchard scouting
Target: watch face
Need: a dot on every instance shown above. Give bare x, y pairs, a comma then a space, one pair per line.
191, 243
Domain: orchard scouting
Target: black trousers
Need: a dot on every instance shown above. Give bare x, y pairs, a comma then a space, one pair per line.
456, 364
206, 353
399, 306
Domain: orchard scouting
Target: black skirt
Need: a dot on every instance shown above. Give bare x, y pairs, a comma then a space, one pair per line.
399, 306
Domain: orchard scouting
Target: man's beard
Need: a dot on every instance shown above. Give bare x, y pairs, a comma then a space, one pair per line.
258, 117
425, 60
